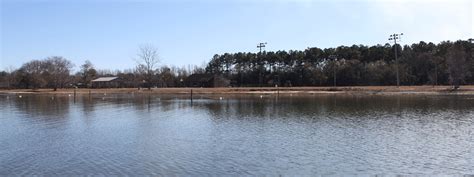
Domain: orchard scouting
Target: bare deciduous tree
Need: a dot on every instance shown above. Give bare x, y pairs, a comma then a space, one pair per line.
87, 73
9, 77
148, 60
31, 74
57, 71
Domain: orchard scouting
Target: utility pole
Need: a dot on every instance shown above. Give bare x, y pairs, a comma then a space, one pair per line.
261, 46
471, 40
394, 37
436, 62
334, 57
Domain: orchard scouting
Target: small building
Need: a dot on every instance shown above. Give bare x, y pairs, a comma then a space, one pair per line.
207, 80
106, 82
4, 85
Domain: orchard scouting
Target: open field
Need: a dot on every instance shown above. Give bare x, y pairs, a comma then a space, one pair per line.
372, 90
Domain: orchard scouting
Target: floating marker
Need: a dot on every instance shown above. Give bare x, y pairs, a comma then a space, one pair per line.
19, 96
69, 95
261, 96
220, 98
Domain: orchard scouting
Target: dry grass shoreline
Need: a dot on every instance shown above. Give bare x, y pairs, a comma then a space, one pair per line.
369, 90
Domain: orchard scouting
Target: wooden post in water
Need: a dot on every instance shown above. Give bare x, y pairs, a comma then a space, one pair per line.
191, 95
278, 91
149, 101
75, 88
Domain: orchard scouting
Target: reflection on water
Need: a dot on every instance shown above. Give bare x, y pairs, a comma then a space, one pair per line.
167, 135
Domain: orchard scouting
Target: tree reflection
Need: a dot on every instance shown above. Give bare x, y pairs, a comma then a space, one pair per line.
43, 107
245, 107
329, 105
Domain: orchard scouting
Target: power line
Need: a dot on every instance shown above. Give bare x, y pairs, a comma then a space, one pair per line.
394, 37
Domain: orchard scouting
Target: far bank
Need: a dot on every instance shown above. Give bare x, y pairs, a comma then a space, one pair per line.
364, 90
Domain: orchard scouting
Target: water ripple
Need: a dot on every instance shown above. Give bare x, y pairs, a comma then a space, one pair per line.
140, 135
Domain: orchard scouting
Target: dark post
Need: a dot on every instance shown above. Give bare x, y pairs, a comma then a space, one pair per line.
149, 101
278, 91
335, 74
191, 95
75, 88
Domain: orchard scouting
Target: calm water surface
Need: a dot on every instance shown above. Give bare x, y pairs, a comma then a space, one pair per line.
312, 135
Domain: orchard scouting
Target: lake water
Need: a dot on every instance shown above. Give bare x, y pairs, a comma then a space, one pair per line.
294, 135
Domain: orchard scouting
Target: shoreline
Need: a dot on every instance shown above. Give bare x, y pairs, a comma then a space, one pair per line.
343, 90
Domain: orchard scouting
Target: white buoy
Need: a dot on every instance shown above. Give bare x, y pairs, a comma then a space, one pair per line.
261, 96
105, 94
19, 96
52, 98
220, 98
69, 95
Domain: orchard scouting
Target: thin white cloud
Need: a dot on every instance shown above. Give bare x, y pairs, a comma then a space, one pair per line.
427, 20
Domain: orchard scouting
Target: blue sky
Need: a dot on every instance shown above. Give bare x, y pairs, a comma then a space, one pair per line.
109, 32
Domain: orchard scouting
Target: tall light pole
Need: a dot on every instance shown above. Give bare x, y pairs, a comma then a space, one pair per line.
395, 37
261, 46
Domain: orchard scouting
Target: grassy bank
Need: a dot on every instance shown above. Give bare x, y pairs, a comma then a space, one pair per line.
436, 90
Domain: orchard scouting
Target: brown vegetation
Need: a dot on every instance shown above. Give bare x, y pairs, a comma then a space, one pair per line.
381, 90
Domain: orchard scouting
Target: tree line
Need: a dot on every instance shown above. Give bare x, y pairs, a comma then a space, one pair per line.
55, 72
357, 65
